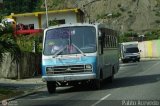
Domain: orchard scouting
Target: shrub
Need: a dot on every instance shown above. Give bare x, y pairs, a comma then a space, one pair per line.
119, 5
122, 9
8, 43
129, 12
28, 42
151, 35
157, 21
113, 15
157, 14
102, 16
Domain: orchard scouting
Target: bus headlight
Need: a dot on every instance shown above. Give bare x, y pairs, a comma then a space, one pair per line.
50, 70
88, 66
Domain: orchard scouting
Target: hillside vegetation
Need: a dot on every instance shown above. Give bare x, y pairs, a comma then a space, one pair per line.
138, 16
123, 15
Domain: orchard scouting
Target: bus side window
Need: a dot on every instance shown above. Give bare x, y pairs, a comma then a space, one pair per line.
107, 41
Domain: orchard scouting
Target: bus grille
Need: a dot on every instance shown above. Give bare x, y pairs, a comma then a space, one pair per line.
68, 69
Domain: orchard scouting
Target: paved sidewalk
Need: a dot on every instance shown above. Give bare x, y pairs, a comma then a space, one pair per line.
28, 86
28, 83
33, 80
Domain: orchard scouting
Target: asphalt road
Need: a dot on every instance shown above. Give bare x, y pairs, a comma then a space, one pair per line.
135, 84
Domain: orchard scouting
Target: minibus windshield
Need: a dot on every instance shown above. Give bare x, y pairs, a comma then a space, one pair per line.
70, 40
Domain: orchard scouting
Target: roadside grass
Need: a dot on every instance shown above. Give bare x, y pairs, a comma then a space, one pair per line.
6, 93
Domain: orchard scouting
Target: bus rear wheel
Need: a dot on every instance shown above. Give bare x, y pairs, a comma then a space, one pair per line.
51, 86
111, 78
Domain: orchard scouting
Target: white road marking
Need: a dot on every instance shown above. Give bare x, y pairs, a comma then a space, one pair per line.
101, 100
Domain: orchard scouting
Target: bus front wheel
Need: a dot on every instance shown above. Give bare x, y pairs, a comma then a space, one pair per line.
51, 86
96, 84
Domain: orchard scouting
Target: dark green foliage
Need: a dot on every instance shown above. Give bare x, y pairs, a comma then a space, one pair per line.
19, 6
157, 13
115, 15
53, 22
123, 38
8, 44
119, 5
128, 36
56, 3
122, 9
129, 12
157, 21
152, 35
101, 16
26, 42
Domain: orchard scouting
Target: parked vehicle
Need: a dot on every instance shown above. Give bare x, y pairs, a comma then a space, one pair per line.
77, 53
130, 52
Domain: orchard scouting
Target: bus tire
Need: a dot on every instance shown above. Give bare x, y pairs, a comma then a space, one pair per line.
123, 61
111, 78
96, 84
51, 86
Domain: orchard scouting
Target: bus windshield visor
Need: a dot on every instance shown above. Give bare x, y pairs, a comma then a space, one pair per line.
70, 40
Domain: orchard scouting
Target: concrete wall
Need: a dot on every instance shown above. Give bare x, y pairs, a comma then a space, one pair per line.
150, 49
28, 66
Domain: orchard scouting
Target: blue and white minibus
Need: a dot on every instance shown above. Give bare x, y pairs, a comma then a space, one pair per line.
80, 52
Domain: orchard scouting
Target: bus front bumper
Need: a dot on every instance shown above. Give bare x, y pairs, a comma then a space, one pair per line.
70, 77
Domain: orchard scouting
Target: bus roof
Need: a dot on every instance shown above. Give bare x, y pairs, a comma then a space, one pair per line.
129, 43
100, 25
75, 24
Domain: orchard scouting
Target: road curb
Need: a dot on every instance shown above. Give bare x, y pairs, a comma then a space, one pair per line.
24, 94
150, 58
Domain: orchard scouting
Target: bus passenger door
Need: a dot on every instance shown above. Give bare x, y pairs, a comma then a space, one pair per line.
100, 54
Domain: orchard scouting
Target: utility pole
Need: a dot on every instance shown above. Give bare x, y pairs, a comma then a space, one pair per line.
46, 6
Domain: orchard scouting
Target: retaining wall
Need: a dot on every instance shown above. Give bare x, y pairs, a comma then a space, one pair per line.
150, 49
28, 66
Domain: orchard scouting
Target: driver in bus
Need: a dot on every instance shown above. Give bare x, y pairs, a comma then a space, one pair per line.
56, 47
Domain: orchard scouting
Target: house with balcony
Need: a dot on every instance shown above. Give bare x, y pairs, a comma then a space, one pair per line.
29, 23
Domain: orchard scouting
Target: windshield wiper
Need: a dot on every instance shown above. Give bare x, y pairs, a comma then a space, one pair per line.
58, 52
79, 49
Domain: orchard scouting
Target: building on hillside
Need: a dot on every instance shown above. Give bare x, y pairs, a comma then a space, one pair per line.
28, 23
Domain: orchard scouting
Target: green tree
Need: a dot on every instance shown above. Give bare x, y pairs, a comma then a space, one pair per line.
19, 6
8, 44
152, 35
125, 37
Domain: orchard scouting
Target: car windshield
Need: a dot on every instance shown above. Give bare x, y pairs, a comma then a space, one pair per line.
70, 40
132, 50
